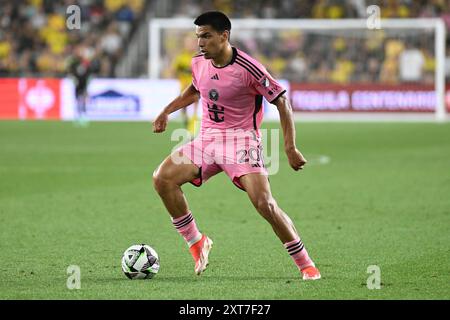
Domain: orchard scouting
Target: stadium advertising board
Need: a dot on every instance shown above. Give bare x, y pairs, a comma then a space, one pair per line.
129, 99
364, 98
108, 99
30, 98
143, 99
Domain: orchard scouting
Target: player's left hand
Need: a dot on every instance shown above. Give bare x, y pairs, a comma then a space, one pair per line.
296, 160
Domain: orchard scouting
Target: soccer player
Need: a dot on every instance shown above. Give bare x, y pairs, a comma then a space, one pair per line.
182, 67
231, 85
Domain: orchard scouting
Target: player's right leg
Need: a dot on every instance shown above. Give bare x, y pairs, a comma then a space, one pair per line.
167, 180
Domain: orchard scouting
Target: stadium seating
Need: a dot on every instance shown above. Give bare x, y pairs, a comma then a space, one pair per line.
34, 40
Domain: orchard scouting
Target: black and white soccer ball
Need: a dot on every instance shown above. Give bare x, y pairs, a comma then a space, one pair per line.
140, 261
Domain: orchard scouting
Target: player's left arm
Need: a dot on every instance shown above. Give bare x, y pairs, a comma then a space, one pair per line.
295, 157
268, 87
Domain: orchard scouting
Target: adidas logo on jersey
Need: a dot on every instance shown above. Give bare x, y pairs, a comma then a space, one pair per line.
215, 77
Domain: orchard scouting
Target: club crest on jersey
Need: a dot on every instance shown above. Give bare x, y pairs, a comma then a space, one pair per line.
265, 82
213, 95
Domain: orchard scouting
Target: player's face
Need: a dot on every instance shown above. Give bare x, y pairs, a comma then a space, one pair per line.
210, 42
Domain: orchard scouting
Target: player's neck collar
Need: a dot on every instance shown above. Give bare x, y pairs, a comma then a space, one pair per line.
233, 57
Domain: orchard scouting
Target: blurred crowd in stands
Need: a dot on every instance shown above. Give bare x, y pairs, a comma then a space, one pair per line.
315, 9
35, 40
363, 56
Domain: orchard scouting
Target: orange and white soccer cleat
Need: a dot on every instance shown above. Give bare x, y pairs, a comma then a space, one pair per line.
200, 252
311, 273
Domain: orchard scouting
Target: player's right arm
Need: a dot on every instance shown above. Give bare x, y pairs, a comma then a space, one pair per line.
187, 97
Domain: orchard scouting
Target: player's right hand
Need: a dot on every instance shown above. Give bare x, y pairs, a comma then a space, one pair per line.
160, 123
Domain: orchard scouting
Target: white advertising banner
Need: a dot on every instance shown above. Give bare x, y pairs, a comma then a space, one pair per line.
129, 99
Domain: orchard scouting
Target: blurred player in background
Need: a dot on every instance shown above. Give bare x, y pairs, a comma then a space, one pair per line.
231, 85
182, 68
80, 67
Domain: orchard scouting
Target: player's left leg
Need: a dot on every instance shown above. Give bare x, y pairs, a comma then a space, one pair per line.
258, 189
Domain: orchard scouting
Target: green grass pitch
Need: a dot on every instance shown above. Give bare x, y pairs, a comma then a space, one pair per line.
81, 196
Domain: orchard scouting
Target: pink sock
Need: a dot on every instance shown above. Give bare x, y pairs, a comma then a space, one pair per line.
298, 252
186, 226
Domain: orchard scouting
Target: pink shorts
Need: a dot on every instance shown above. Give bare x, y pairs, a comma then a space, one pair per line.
236, 152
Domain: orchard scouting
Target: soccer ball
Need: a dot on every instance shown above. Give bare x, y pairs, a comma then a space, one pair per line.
140, 262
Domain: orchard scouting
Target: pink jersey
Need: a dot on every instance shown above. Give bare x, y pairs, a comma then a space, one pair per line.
232, 95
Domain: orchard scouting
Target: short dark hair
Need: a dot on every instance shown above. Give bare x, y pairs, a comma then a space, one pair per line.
216, 19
